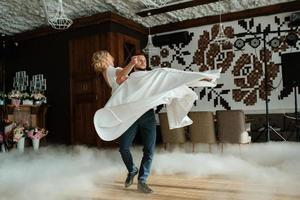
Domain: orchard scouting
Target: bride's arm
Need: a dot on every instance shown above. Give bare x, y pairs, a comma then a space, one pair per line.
122, 73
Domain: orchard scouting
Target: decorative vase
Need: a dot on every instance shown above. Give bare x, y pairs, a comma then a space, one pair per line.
16, 102
38, 102
27, 102
35, 144
21, 144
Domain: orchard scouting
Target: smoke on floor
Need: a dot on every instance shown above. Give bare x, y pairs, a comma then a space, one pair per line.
57, 172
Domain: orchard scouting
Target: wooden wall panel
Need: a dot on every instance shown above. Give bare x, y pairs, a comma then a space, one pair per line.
83, 89
81, 51
89, 92
47, 56
74, 91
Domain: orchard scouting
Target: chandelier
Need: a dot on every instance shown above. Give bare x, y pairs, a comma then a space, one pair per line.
221, 38
59, 21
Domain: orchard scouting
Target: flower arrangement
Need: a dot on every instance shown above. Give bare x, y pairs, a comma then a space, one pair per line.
37, 133
38, 96
27, 96
14, 134
27, 99
18, 133
15, 94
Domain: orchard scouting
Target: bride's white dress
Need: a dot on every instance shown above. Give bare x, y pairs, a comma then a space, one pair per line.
145, 90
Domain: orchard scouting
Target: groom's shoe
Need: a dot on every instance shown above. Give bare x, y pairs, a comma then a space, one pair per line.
144, 188
130, 176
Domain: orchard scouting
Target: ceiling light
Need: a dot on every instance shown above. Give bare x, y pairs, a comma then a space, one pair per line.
221, 37
59, 21
150, 48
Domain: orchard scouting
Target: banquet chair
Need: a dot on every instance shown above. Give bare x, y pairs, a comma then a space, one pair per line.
174, 136
232, 127
202, 130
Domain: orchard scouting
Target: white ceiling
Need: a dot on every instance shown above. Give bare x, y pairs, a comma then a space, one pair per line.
22, 15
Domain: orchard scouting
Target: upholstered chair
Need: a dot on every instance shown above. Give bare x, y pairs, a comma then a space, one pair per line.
232, 127
202, 130
174, 136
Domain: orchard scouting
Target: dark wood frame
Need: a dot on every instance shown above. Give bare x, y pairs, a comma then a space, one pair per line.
172, 7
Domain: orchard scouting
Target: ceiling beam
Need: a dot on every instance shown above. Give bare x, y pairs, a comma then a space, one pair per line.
172, 7
256, 12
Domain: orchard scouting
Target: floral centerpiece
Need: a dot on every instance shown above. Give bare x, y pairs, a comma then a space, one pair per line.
19, 137
15, 94
27, 99
36, 133
15, 97
39, 98
18, 133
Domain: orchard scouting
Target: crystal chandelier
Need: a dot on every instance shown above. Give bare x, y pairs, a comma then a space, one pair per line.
59, 21
221, 37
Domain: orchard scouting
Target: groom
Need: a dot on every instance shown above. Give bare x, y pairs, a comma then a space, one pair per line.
146, 127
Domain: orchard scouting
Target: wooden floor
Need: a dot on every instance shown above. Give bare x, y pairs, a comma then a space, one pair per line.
182, 187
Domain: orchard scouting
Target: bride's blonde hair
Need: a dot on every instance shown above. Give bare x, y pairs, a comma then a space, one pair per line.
98, 60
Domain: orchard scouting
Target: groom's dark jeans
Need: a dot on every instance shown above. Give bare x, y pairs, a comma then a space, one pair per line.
146, 126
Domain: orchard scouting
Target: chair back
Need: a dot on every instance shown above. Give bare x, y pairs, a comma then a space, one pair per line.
231, 126
203, 129
174, 136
